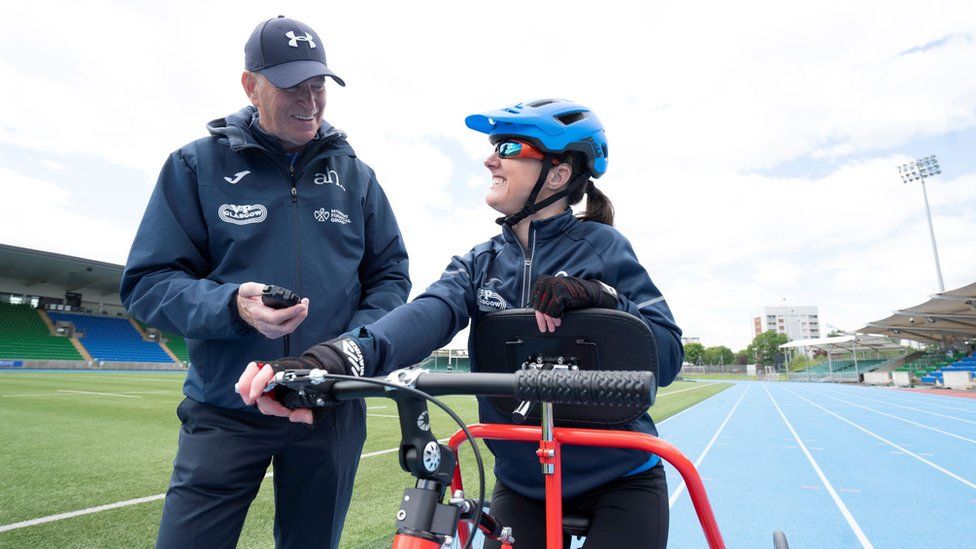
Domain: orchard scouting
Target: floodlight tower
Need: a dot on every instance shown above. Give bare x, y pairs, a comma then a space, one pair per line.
919, 170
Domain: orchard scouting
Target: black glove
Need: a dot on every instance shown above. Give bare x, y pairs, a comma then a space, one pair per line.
554, 295
341, 356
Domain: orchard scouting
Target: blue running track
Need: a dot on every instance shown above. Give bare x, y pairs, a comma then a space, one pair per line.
832, 466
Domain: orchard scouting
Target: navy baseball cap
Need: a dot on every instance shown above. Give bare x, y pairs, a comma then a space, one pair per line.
286, 52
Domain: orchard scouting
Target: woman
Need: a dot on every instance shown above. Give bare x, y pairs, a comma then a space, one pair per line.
546, 153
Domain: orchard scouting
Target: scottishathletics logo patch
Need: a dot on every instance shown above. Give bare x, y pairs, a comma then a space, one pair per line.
242, 215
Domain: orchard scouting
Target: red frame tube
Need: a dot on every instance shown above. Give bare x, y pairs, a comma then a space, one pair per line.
591, 437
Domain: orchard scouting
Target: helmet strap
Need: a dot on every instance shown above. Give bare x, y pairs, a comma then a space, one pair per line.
531, 206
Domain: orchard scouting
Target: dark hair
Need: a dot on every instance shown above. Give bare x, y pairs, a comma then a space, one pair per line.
598, 206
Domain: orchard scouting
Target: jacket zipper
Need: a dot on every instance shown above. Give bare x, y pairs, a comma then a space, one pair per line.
298, 242
527, 268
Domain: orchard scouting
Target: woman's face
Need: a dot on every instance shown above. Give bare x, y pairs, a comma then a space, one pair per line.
512, 180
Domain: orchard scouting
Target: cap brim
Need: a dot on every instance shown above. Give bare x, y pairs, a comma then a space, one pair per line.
291, 74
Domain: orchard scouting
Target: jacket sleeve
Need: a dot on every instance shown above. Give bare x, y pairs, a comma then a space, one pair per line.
165, 279
638, 295
408, 334
384, 270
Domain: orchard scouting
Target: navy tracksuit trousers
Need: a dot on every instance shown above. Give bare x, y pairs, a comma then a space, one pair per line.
223, 457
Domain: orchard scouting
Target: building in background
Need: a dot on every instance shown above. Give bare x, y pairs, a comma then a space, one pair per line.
687, 340
794, 321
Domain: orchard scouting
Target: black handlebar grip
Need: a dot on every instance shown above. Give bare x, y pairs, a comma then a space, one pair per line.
588, 388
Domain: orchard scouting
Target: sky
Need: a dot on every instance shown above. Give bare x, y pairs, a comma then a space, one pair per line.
754, 145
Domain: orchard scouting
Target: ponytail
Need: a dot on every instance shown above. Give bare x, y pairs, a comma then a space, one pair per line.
598, 206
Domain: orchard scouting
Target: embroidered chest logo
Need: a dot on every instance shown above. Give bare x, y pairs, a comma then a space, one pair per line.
490, 301
336, 216
330, 177
242, 215
237, 177
293, 40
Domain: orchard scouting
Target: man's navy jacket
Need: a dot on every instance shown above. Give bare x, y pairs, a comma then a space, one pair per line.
233, 208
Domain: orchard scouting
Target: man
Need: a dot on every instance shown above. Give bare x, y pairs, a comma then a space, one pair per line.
275, 195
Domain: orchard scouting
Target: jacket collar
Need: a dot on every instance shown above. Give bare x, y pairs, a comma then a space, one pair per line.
544, 229
240, 131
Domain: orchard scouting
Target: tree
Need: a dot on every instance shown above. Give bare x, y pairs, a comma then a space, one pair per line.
765, 347
693, 351
720, 354
742, 357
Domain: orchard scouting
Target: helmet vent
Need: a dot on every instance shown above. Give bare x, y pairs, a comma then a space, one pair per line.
570, 118
542, 103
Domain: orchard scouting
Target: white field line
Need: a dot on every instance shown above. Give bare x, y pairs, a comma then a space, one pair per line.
699, 403
681, 487
889, 443
823, 478
128, 502
65, 392
681, 391
923, 426
72, 392
382, 415
915, 409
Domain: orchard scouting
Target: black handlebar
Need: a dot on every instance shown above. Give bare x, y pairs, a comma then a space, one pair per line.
589, 387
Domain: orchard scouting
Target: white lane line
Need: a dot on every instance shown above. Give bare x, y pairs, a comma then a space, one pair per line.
922, 425
128, 502
900, 393
383, 415
823, 478
376, 407
916, 409
71, 392
681, 487
889, 443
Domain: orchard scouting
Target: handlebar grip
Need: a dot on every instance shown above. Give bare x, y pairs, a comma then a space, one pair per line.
588, 388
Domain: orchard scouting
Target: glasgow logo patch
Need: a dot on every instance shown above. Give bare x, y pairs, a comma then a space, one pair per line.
490, 301
242, 215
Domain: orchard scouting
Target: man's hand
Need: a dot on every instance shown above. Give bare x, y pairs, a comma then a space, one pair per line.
554, 295
338, 356
273, 323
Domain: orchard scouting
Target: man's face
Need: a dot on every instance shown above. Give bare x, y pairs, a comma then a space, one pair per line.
292, 115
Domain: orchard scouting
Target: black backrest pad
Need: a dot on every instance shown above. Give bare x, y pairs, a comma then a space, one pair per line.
598, 339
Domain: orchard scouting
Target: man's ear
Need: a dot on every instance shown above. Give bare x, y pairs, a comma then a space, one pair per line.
559, 177
249, 81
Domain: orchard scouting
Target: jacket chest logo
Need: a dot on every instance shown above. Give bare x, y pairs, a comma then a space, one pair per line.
336, 216
244, 214
330, 177
237, 177
490, 301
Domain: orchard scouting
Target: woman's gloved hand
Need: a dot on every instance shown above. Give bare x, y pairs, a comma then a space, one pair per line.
552, 296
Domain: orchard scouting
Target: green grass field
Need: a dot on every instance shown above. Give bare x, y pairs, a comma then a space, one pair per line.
74, 441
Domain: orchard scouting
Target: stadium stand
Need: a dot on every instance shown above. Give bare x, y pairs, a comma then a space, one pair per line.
112, 339
23, 335
177, 345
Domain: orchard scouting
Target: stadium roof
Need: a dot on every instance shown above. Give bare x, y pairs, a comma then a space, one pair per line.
35, 267
843, 344
947, 316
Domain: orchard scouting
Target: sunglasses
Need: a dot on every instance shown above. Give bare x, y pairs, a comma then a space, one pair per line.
517, 149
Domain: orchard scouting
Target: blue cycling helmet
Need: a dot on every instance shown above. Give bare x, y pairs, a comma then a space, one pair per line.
553, 125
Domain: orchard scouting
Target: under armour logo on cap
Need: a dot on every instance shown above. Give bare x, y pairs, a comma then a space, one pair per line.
274, 51
294, 40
